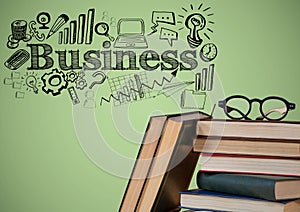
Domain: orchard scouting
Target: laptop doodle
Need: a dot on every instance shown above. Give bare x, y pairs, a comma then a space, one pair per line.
131, 33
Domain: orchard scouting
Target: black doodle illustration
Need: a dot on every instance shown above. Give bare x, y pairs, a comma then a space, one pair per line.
20, 95
208, 52
17, 59
169, 35
43, 18
54, 82
32, 81
34, 33
129, 88
8, 81
59, 22
73, 32
14, 80
106, 44
17, 85
71, 76
73, 95
81, 25
131, 33
162, 17
173, 88
90, 26
80, 81
69, 34
14, 77
196, 22
38, 51
197, 81
113, 22
208, 78
105, 16
134, 87
89, 102
62, 58
79, 31
204, 81
192, 99
19, 32
102, 29
100, 81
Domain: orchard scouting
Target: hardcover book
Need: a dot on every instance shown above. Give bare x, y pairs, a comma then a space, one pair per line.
271, 147
165, 157
260, 186
140, 171
250, 164
250, 129
208, 200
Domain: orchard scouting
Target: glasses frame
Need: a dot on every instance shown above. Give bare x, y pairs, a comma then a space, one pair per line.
289, 106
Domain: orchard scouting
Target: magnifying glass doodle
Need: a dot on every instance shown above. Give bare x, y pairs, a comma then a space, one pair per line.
102, 28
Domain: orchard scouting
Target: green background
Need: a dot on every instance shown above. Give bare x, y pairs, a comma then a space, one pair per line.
42, 166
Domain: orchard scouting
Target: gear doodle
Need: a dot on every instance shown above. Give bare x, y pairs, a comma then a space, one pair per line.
81, 83
71, 76
81, 74
54, 82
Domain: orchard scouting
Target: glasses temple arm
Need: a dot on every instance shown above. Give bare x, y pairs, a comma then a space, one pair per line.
281, 110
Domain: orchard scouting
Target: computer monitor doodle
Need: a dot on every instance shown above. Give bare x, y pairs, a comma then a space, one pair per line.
131, 33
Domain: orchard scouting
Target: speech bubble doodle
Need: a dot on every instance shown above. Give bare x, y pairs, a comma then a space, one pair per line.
162, 17
167, 34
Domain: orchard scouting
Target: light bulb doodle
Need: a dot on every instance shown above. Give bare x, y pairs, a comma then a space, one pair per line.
31, 81
195, 22
198, 23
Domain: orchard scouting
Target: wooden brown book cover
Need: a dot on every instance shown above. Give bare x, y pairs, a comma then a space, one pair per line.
173, 167
145, 155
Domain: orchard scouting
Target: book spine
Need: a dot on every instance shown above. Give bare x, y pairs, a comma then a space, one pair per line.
249, 156
236, 184
142, 164
247, 147
181, 167
250, 165
250, 129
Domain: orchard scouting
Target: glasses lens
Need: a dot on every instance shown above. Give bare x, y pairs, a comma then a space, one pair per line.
274, 109
237, 107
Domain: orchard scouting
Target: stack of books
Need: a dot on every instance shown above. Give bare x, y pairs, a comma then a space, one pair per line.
246, 166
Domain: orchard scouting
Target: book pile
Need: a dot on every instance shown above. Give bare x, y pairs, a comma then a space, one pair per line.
246, 166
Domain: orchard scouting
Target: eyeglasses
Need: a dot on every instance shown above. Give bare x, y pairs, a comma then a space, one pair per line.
272, 108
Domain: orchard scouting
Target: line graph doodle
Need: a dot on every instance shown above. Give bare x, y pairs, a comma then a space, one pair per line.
133, 87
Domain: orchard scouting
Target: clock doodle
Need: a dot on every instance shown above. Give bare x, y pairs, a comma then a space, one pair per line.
208, 52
